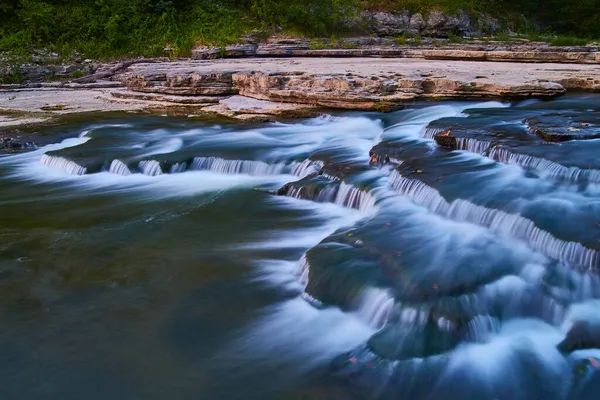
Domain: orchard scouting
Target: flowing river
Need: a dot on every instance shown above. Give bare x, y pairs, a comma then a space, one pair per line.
349, 256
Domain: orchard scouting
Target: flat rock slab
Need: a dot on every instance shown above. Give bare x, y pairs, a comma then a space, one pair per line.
60, 101
359, 83
247, 108
561, 128
157, 97
6, 121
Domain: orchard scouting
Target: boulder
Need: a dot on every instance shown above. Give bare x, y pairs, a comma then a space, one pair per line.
388, 24
416, 23
442, 25
582, 335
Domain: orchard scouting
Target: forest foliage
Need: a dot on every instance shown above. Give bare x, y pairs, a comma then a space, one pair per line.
113, 28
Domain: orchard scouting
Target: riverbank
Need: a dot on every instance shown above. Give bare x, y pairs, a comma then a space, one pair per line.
268, 88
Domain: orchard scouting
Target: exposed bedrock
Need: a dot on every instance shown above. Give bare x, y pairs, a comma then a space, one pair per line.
352, 84
561, 128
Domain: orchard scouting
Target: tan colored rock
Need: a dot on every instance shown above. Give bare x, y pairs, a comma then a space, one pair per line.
174, 81
195, 100
336, 90
247, 108
373, 84
512, 56
294, 86
6, 121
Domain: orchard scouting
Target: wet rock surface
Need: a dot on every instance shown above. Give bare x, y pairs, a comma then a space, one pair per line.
10, 144
581, 336
461, 264
561, 128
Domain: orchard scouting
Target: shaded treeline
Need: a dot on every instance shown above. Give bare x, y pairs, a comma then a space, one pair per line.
110, 28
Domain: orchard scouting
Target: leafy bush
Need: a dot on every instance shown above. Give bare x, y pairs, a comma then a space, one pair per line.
400, 40
115, 28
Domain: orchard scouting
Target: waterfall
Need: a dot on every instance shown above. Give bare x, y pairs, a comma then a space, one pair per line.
430, 133
545, 168
541, 166
255, 168
472, 145
329, 177
375, 306
344, 194
178, 168
235, 167
70, 167
117, 167
327, 194
306, 167
150, 167
352, 197
302, 269
497, 220
482, 328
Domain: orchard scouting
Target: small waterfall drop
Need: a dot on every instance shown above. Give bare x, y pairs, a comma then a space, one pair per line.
178, 168
302, 269
481, 328
150, 168
498, 221
60, 163
430, 133
544, 168
344, 195
307, 167
117, 167
235, 167
375, 306
472, 145
353, 197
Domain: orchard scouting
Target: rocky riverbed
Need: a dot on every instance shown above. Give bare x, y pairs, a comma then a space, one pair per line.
266, 88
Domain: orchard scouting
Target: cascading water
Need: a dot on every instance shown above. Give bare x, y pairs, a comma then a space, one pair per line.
119, 168
497, 220
393, 265
70, 167
150, 168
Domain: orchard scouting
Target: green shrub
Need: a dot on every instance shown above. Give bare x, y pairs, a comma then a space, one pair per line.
13, 76
400, 40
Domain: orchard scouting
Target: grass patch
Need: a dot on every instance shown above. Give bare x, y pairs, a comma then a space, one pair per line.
77, 74
504, 36
316, 44
568, 41
455, 38
415, 41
